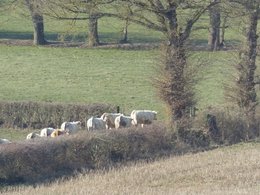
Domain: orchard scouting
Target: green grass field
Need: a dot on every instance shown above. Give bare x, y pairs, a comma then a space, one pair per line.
123, 77
120, 77
80, 75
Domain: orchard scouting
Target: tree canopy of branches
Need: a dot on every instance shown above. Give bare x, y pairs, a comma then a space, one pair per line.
90, 10
175, 20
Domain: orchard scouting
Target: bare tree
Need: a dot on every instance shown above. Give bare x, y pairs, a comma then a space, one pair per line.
34, 7
244, 91
125, 32
175, 20
214, 35
89, 10
174, 84
93, 38
223, 30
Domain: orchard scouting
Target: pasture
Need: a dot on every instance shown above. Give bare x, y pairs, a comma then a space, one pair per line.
123, 78
118, 77
227, 170
78, 75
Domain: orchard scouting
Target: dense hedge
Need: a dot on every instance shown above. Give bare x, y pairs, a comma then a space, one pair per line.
42, 159
37, 115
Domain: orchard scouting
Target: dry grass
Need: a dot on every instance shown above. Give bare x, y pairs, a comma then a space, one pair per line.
231, 170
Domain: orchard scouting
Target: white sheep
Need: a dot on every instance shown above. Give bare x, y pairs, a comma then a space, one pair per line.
123, 121
46, 132
109, 119
143, 117
71, 127
33, 135
4, 141
95, 123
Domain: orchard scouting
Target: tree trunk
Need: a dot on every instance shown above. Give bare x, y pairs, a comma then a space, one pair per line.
125, 32
93, 39
175, 87
38, 24
38, 38
214, 35
223, 29
175, 64
246, 68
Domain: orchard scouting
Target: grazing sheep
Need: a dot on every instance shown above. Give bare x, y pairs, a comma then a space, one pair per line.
33, 135
123, 121
143, 117
46, 132
58, 132
4, 141
95, 123
71, 127
109, 119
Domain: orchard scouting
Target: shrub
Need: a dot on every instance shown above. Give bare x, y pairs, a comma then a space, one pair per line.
231, 123
43, 159
38, 115
195, 137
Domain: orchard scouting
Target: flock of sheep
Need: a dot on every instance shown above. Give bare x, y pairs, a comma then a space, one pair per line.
106, 121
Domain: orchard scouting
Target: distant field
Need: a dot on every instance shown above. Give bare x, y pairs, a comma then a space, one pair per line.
78, 75
121, 77
231, 170
16, 24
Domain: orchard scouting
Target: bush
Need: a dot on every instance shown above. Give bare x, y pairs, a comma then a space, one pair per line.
195, 137
38, 115
43, 159
232, 125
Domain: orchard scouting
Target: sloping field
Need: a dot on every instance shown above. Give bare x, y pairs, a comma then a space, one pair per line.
229, 170
78, 75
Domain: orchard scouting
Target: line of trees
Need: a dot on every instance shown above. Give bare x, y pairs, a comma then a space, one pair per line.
175, 19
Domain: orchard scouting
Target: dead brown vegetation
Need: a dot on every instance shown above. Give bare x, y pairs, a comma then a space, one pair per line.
44, 159
38, 115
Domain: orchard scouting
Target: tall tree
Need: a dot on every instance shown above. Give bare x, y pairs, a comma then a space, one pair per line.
34, 7
93, 38
175, 20
214, 34
89, 10
244, 92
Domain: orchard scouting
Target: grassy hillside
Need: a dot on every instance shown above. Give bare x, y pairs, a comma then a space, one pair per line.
78, 75
121, 77
230, 170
